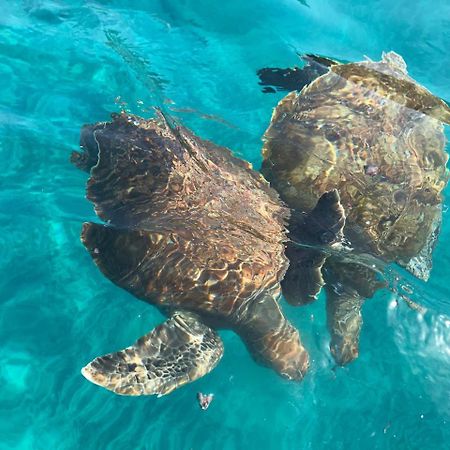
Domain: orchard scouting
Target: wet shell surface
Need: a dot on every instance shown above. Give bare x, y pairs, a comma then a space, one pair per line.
372, 132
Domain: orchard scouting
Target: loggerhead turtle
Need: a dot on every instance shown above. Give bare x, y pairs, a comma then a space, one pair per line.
370, 131
196, 232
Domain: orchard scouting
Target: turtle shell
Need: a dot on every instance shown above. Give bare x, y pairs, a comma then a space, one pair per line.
189, 225
372, 132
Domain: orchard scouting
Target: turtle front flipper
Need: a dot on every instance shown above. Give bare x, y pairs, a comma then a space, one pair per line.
293, 79
270, 337
178, 351
344, 320
321, 227
347, 286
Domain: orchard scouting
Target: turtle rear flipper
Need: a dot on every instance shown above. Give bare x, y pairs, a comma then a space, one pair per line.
321, 227
178, 351
293, 79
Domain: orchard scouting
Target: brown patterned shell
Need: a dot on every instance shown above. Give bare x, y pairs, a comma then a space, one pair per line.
191, 225
373, 133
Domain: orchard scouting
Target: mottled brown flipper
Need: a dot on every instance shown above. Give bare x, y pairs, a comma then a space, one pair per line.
321, 227
270, 338
347, 287
178, 351
344, 322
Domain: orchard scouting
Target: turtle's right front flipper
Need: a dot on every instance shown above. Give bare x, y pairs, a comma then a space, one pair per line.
178, 351
344, 321
347, 287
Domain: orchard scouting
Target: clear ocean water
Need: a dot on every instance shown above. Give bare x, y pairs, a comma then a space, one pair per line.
67, 63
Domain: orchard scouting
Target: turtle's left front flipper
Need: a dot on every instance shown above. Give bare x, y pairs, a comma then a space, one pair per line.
178, 351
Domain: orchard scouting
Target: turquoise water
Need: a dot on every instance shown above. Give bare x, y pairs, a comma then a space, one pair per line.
66, 63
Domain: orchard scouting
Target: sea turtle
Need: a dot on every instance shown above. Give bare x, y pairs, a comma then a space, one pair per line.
198, 233
370, 131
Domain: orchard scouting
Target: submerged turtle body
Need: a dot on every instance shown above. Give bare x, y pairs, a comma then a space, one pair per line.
370, 131
197, 233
